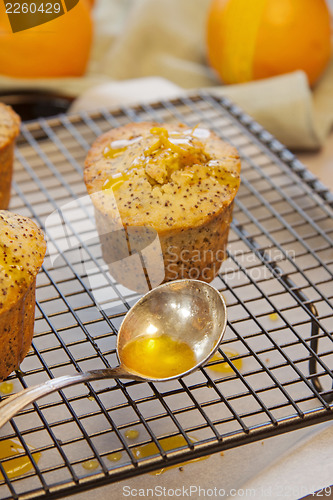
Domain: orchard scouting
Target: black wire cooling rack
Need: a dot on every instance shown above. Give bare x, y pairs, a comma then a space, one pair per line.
277, 282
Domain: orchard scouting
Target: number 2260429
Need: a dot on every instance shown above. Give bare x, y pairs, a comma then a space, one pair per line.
32, 8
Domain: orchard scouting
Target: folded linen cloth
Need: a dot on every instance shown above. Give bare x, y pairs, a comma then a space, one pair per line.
300, 471
166, 38
283, 105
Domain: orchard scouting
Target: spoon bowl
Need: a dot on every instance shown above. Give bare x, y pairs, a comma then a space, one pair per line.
190, 312
185, 310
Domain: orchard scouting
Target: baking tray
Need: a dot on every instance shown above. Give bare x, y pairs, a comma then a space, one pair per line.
277, 282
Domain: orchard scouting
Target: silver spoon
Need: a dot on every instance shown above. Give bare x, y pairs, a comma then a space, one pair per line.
187, 310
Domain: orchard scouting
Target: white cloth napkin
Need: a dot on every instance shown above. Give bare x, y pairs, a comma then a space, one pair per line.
306, 468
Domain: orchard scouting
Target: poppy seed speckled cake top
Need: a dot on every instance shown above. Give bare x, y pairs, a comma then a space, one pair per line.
166, 176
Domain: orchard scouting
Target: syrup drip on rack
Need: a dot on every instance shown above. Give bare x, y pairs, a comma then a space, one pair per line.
169, 443
6, 387
20, 463
224, 367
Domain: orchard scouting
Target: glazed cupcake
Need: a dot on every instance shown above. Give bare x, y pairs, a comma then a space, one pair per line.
22, 250
164, 187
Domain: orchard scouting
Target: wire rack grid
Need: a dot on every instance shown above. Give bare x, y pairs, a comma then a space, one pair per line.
274, 372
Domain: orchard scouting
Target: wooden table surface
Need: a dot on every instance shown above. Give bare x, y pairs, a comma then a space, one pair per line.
320, 163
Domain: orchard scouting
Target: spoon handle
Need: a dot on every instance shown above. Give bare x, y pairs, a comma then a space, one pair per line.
13, 404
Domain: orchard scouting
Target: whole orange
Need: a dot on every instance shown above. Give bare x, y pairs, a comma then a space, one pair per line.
249, 40
58, 48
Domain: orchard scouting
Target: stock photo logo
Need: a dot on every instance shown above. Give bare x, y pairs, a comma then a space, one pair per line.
104, 251
23, 15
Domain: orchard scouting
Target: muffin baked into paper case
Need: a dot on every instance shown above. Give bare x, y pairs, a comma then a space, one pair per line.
22, 250
163, 198
9, 130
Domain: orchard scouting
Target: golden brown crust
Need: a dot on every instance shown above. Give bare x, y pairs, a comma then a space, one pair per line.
16, 331
9, 130
22, 250
9, 125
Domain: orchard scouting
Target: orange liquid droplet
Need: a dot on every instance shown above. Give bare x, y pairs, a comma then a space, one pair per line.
20, 463
90, 464
224, 367
132, 434
167, 444
114, 457
157, 357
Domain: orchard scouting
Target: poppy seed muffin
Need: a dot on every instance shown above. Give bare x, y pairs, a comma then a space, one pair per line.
22, 250
9, 130
179, 182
